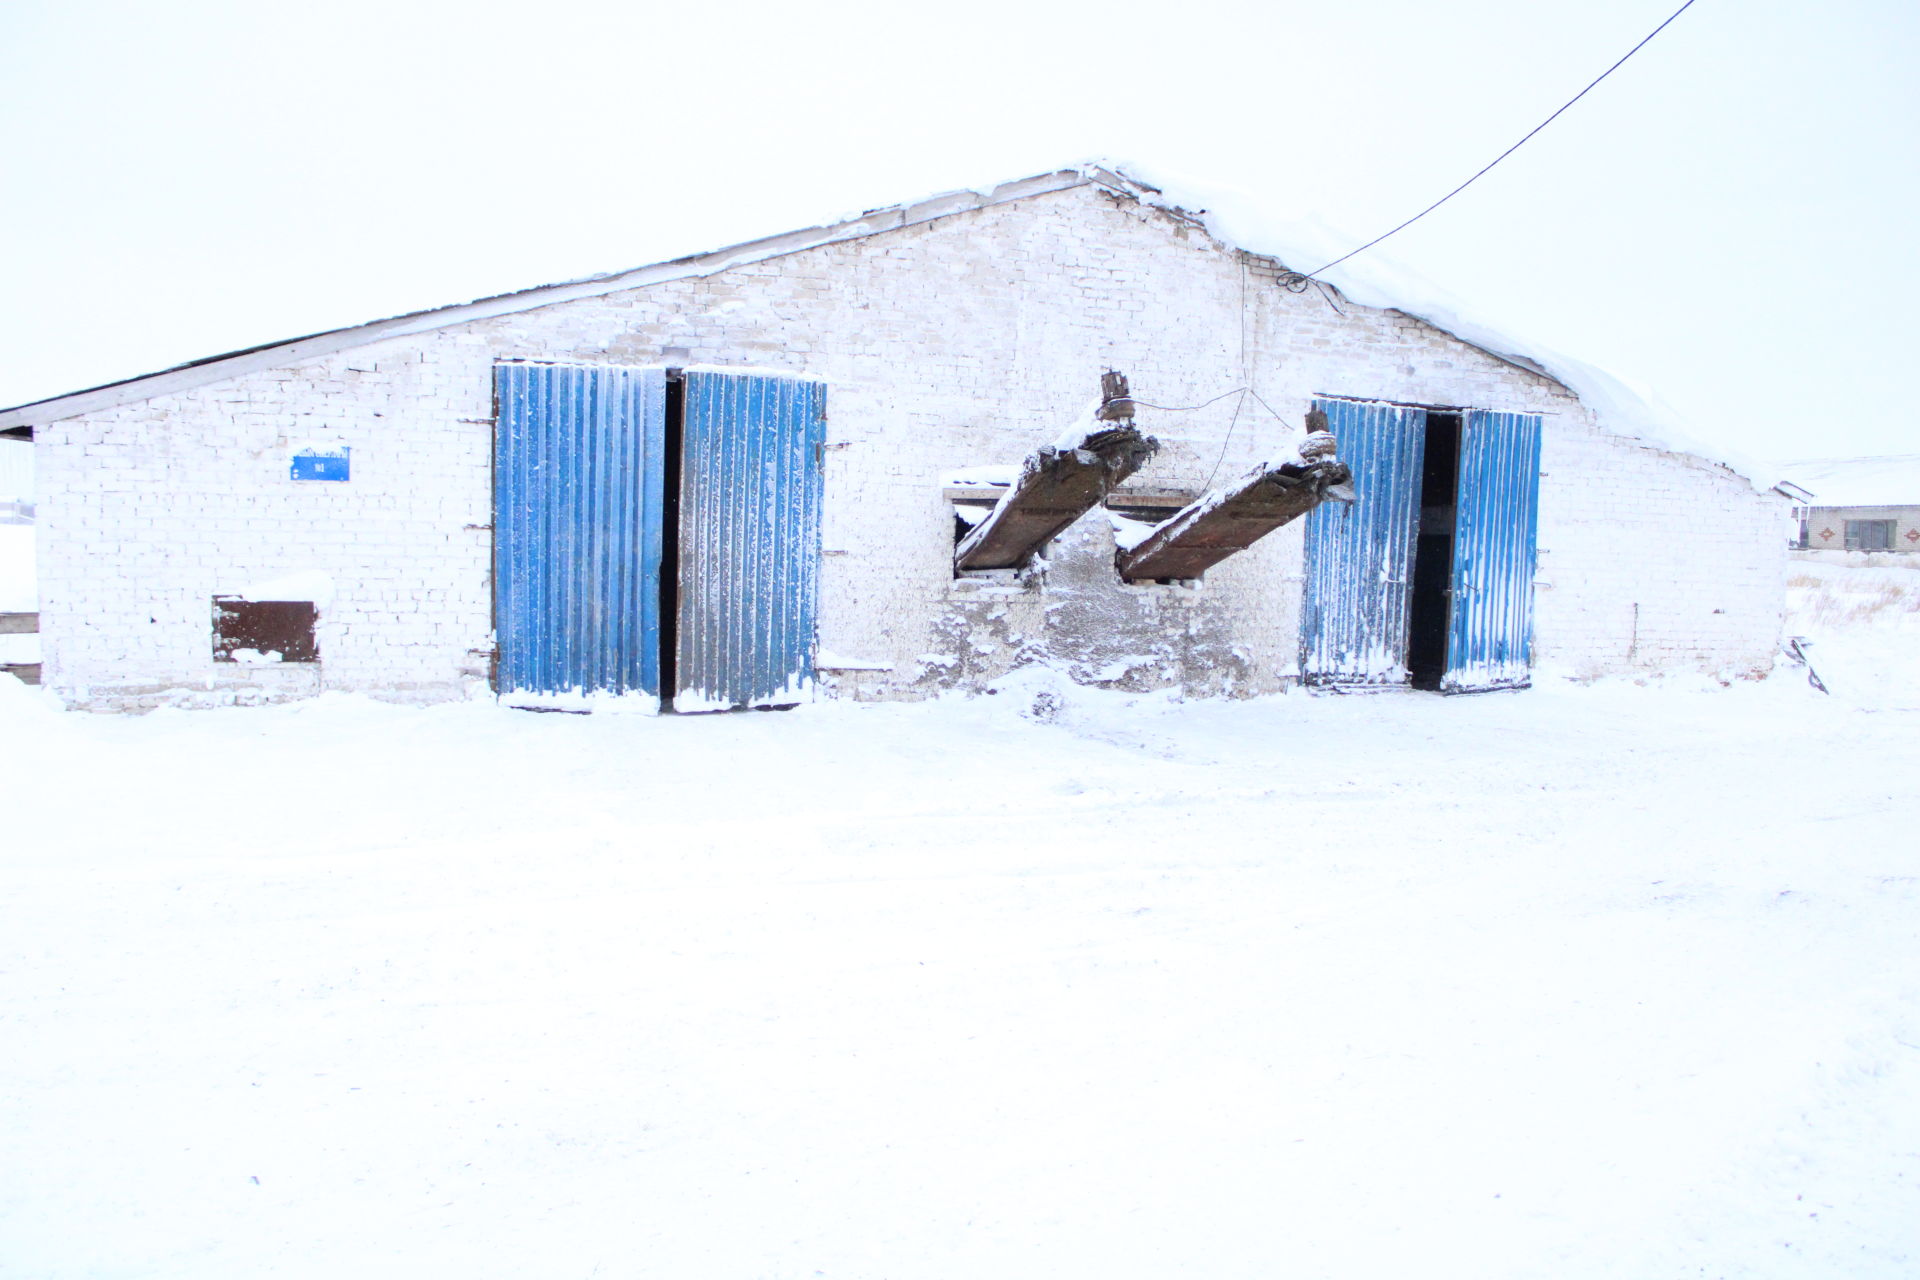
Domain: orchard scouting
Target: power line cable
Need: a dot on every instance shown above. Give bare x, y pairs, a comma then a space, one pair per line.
1269, 408
1233, 422
1183, 408
1296, 281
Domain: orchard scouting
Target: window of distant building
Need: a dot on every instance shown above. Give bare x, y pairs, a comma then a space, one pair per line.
1870, 535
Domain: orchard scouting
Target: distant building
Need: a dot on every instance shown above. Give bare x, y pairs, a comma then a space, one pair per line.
1867, 505
735, 479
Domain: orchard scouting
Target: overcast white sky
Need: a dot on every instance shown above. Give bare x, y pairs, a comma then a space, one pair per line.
1728, 219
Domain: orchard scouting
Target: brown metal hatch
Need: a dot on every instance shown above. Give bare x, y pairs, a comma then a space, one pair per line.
284, 627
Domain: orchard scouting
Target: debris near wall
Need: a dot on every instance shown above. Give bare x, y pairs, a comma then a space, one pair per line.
1060, 482
1233, 518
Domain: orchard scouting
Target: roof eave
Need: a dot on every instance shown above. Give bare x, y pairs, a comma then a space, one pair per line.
199, 373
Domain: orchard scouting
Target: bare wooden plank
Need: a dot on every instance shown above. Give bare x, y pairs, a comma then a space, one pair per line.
1170, 500
19, 624
974, 492
1059, 483
26, 672
1218, 524
1055, 488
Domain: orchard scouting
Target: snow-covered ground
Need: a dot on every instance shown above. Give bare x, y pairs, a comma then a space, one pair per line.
1861, 629
1607, 981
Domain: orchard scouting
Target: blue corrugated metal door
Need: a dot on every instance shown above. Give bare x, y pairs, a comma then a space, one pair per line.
1359, 556
578, 456
750, 485
1490, 632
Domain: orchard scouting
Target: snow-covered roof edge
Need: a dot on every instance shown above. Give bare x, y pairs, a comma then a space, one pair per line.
1229, 216
275, 355
1374, 280
1879, 480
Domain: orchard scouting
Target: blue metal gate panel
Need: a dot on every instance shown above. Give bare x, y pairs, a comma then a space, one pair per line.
1490, 633
1359, 556
749, 540
578, 456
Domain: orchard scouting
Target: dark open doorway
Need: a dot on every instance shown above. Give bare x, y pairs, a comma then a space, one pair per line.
674, 435
1431, 611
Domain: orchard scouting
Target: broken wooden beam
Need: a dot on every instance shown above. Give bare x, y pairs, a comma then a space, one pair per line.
1231, 519
1059, 483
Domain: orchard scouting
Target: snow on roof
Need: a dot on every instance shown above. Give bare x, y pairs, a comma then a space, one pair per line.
276, 355
1890, 480
1301, 243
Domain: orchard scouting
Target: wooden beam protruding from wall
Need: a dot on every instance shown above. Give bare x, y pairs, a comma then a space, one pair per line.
1059, 483
1216, 525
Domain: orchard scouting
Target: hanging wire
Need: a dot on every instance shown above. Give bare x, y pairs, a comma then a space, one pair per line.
1264, 405
1243, 393
1231, 423
1185, 408
1296, 282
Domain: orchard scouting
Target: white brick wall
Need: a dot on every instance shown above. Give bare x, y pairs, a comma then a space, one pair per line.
1652, 560
157, 507
947, 344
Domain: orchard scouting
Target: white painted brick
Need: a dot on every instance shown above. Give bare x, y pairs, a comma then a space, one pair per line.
949, 344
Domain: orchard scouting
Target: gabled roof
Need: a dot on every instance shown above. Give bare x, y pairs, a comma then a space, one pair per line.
274, 355
1227, 215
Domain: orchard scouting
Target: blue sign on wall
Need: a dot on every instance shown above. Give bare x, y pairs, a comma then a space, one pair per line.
321, 466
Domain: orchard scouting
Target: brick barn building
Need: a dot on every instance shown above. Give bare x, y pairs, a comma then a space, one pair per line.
739, 478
